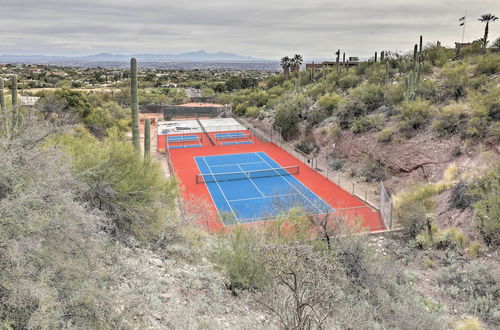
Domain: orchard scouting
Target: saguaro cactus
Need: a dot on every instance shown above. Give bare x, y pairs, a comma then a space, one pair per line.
2, 99
135, 106
147, 138
412, 81
14, 97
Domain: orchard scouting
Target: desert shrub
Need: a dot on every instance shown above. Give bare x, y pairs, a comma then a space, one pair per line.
347, 81
108, 117
488, 64
315, 90
477, 125
306, 145
438, 56
240, 109
238, 254
394, 94
372, 169
487, 102
427, 89
316, 116
349, 111
460, 197
454, 79
54, 255
364, 124
414, 114
474, 250
288, 111
335, 133
330, 102
414, 207
335, 163
472, 284
451, 119
441, 238
259, 98
369, 94
384, 135
428, 263
304, 286
469, 323
375, 73
487, 205
253, 111
133, 193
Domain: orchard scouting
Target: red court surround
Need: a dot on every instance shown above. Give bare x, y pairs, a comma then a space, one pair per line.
198, 201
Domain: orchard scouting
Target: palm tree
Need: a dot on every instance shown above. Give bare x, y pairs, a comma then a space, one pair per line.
487, 18
286, 63
297, 61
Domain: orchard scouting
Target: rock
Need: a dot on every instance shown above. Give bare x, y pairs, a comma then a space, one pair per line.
158, 317
261, 318
156, 262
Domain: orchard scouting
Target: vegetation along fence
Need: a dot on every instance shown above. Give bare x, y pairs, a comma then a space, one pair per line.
378, 199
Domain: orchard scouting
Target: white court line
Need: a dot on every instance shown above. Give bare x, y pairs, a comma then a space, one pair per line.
284, 178
252, 181
252, 198
238, 164
222, 191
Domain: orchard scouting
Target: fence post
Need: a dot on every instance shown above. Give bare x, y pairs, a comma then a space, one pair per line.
366, 194
353, 188
338, 184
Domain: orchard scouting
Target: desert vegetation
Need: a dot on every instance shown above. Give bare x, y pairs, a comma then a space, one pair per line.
91, 235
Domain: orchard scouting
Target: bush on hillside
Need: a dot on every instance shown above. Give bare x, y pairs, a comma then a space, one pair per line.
438, 56
288, 111
371, 95
487, 205
239, 255
306, 145
384, 135
394, 94
451, 119
454, 79
348, 80
330, 102
474, 286
414, 114
132, 192
349, 110
488, 64
365, 124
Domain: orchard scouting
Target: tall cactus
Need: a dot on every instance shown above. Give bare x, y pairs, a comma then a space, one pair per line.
386, 73
412, 81
382, 56
2, 99
375, 58
135, 106
14, 97
147, 138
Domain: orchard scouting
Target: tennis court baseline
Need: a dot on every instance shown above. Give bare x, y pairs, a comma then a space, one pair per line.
252, 187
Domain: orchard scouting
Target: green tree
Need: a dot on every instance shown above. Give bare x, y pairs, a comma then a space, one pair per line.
487, 18
286, 64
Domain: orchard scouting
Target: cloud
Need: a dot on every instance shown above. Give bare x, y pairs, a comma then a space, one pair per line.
262, 28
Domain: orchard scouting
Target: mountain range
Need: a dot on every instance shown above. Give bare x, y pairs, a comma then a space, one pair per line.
198, 56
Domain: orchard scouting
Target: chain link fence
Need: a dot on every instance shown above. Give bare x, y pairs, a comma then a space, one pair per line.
377, 199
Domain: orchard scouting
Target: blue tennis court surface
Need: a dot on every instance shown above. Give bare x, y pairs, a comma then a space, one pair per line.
185, 146
232, 135
237, 142
182, 138
253, 187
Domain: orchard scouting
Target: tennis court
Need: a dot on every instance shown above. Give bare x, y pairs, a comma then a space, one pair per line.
251, 187
183, 141
232, 138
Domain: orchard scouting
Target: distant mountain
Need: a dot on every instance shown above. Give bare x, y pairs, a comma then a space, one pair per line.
198, 56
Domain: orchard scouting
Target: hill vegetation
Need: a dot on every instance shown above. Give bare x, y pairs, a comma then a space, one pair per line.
90, 235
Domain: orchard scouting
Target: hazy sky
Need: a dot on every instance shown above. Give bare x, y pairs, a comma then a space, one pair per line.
260, 28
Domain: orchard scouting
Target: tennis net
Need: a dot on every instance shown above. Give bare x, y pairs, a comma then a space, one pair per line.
242, 175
